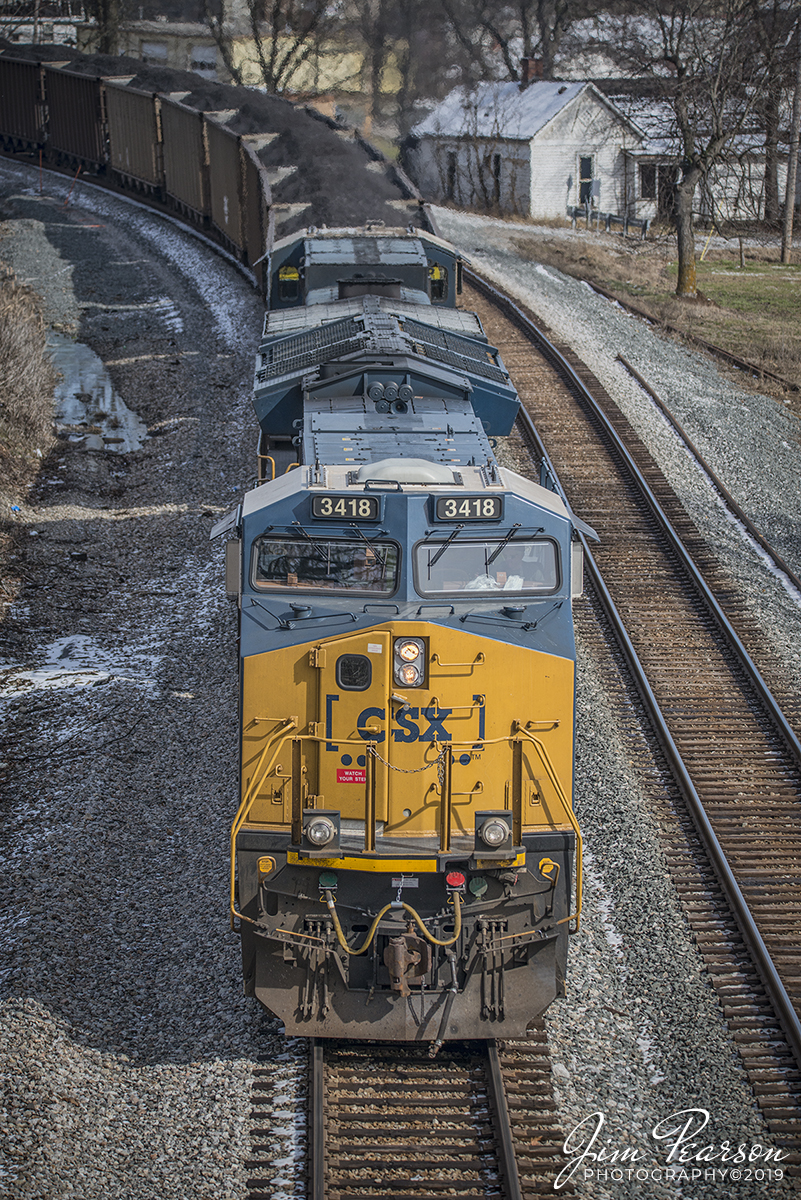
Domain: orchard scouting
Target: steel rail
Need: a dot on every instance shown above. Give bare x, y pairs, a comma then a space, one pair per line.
389, 1135
503, 1125
316, 1181
776, 990
725, 494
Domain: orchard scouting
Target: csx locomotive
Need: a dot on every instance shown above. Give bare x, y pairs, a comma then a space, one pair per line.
405, 863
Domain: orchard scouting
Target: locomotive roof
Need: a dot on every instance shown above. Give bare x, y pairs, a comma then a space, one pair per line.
343, 478
384, 250
356, 231
368, 326
284, 321
352, 431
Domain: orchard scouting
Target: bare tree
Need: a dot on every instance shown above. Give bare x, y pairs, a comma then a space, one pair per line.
372, 19
792, 163
218, 19
107, 17
284, 33
700, 55
485, 30
774, 22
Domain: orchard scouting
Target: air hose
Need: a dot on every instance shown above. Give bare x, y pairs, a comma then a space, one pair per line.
332, 908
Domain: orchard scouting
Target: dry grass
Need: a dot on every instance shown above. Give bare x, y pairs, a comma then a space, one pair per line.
753, 311
27, 379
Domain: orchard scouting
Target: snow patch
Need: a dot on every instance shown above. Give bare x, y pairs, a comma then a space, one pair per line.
77, 661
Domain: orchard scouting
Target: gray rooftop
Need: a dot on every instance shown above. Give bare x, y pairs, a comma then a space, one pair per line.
505, 110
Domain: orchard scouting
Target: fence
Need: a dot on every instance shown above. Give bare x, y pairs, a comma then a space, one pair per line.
595, 218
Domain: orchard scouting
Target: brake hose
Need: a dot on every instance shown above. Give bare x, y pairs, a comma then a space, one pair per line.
457, 908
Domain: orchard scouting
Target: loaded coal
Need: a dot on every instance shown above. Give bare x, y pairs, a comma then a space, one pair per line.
312, 160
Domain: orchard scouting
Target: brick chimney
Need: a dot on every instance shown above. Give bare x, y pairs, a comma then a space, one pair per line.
530, 69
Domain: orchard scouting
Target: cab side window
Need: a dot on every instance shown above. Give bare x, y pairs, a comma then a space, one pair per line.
288, 284
438, 283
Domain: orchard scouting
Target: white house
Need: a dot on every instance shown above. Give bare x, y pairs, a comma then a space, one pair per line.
528, 149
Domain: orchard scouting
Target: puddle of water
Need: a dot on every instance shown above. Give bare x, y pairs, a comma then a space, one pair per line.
85, 400
77, 661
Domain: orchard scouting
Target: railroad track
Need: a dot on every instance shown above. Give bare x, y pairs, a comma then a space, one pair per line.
382, 1121
480, 1121
729, 742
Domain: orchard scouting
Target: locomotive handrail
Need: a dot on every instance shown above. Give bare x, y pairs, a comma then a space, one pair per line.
290, 724
247, 803
477, 661
567, 808
267, 458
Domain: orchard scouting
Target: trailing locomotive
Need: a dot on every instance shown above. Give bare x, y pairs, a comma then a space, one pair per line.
402, 861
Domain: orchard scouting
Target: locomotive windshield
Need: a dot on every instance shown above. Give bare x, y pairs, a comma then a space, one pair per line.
325, 563
519, 566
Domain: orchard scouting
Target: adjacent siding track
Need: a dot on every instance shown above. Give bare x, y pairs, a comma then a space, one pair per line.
734, 360
731, 743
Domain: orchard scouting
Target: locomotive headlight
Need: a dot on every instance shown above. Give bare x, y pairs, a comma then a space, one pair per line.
494, 832
410, 661
320, 831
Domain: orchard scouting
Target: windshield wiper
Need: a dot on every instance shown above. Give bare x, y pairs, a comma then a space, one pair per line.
381, 556
501, 545
443, 548
322, 552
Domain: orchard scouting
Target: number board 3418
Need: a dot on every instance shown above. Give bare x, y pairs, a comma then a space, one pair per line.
345, 508
469, 508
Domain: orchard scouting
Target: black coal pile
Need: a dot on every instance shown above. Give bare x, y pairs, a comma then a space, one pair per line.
320, 169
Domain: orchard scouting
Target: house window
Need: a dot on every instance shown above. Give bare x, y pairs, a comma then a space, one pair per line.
585, 179
450, 190
666, 182
154, 53
204, 61
648, 181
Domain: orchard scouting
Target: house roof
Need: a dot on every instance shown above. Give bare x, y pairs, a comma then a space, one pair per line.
505, 109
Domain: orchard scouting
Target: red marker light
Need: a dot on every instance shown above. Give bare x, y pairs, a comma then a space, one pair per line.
454, 879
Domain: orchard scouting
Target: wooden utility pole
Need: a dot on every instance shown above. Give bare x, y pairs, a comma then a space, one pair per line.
792, 165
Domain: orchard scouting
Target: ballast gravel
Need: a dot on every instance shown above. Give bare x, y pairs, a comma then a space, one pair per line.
641, 1035
126, 1046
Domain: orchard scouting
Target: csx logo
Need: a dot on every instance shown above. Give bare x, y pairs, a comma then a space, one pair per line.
407, 719
412, 724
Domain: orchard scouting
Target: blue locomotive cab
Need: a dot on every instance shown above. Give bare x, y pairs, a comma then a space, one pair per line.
326, 266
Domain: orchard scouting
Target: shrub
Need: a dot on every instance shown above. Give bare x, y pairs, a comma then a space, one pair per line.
27, 379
